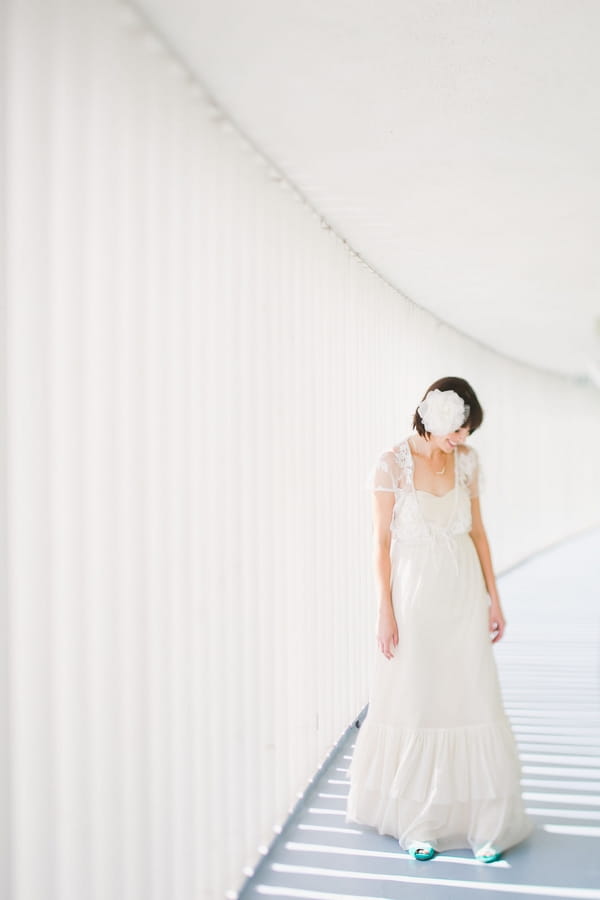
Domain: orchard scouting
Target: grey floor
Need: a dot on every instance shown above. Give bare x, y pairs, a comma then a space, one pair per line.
549, 664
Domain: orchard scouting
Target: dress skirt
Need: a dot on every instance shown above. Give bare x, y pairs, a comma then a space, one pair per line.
435, 758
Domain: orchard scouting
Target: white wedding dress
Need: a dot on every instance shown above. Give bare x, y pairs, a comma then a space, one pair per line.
435, 758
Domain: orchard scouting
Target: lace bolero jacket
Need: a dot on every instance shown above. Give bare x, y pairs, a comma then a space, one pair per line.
393, 472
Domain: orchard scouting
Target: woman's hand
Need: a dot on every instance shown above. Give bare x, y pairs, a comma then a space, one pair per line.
387, 632
497, 621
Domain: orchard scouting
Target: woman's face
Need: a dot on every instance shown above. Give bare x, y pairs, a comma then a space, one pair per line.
448, 442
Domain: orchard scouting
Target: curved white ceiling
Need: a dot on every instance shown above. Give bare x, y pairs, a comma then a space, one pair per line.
454, 144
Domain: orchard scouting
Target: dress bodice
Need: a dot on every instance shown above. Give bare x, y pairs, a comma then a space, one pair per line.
419, 515
437, 510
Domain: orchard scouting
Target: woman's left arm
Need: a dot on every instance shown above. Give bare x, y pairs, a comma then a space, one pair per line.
479, 538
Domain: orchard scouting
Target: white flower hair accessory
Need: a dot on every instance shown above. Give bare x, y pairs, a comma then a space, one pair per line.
442, 412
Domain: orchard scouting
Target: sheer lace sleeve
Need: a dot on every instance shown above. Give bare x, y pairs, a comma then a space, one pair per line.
386, 474
471, 469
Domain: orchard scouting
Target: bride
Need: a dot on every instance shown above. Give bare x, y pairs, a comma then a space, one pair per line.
435, 762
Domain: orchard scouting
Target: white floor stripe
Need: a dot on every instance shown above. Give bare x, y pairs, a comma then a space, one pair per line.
594, 800
563, 813
561, 770
538, 890
582, 737
571, 748
570, 713
388, 854
329, 828
558, 758
564, 785
574, 830
321, 811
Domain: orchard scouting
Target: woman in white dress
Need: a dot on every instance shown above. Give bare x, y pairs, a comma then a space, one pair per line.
435, 762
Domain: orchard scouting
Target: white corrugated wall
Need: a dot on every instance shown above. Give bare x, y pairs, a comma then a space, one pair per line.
196, 377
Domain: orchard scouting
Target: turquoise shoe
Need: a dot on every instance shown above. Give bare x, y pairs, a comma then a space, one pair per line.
488, 854
421, 850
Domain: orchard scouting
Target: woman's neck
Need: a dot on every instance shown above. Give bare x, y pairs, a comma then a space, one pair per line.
428, 449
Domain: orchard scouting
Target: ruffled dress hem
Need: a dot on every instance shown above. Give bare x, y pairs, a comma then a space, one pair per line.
454, 787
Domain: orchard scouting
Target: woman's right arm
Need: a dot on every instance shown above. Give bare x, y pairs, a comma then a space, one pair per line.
387, 629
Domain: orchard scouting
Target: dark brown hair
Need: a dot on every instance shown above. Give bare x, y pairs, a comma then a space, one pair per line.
464, 390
